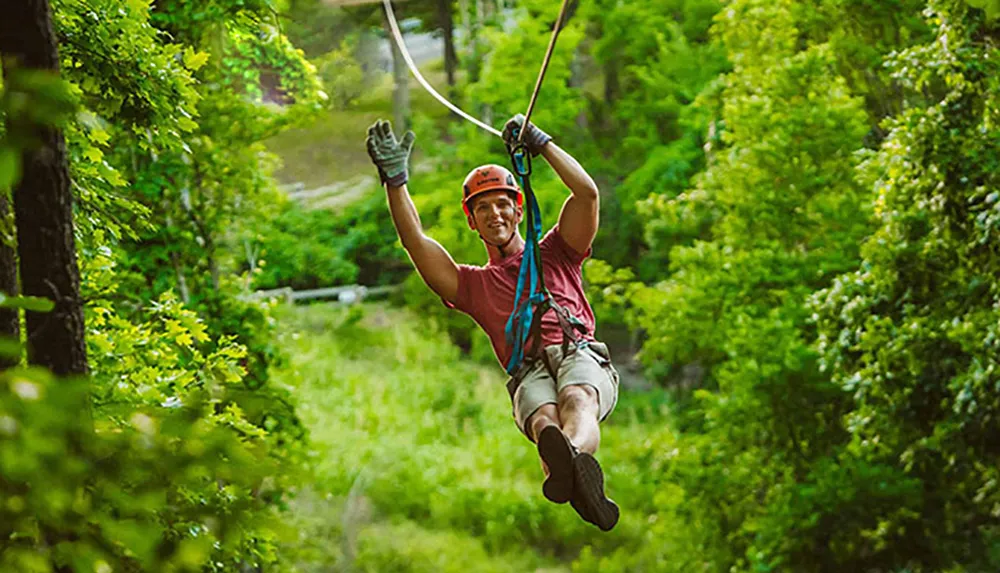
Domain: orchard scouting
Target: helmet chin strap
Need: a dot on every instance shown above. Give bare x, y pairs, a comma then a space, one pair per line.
500, 247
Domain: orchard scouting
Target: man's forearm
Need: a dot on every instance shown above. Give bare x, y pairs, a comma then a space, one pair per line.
404, 216
570, 171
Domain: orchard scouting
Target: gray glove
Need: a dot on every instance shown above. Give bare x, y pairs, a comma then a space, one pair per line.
390, 156
534, 138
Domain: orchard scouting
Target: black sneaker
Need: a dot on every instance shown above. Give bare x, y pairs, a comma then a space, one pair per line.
557, 452
588, 493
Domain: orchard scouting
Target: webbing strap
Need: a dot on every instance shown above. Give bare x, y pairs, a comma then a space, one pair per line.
524, 323
518, 328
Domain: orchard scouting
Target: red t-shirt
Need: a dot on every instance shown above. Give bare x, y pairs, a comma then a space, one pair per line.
487, 293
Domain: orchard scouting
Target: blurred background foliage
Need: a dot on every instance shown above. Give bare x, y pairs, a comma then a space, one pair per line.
797, 271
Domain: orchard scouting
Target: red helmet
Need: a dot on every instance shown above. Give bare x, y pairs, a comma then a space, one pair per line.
487, 178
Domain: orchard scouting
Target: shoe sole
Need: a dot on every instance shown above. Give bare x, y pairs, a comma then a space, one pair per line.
557, 453
589, 499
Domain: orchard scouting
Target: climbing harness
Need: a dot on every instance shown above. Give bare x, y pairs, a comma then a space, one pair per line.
524, 323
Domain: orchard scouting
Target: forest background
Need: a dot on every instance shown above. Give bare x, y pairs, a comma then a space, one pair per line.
797, 268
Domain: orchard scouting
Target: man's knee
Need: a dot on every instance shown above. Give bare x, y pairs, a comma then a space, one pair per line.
581, 397
546, 415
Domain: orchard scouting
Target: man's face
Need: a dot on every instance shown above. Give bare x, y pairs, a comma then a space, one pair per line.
495, 215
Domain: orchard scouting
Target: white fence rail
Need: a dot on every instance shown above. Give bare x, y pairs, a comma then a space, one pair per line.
343, 294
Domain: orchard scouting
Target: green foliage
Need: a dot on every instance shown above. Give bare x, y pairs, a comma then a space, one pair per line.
305, 249
193, 184
151, 464
167, 458
315, 26
799, 213
991, 7
162, 489
791, 128
911, 335
652, 116
253, 55
776, 215
342, 75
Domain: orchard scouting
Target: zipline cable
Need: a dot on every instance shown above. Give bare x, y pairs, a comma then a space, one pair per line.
413, 68
545, 66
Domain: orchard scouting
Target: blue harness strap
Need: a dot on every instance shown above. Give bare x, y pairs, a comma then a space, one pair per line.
531, 299
518, 328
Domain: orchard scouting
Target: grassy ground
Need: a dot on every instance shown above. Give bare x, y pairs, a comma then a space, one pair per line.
419, 466
332, 149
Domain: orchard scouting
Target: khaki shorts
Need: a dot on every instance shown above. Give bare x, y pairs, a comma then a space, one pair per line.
589, 365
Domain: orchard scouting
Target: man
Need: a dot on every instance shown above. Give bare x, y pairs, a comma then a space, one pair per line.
562, 392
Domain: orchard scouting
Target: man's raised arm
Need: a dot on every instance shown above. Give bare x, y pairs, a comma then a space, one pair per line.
579, 218
431, 260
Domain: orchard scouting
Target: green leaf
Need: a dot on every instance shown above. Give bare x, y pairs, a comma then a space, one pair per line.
992, 9
94, 154
10, 347
194, 60
99, 136
10, 167
32, 303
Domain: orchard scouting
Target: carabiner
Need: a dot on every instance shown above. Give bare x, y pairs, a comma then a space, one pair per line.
522, 160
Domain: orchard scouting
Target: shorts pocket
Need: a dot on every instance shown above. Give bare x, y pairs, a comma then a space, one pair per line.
600, 352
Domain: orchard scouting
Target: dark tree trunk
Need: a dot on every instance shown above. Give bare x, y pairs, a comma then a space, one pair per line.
612, 86
43, 207
10, 322
446, 18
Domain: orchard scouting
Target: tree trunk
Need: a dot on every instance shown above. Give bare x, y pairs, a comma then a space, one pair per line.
10, 320
576, 80
447, 20
43, 207
175, 261
208, 244
612, 86
401, 86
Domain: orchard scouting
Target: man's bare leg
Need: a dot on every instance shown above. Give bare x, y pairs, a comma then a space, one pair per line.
555, 451
579, 409
545, 416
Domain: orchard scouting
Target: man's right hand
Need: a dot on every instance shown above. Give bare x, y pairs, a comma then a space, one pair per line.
389, 155
534, 138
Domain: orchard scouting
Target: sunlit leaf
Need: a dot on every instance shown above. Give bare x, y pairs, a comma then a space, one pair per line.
10, 166
32, 303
